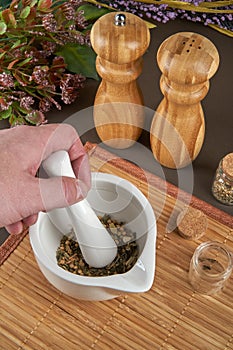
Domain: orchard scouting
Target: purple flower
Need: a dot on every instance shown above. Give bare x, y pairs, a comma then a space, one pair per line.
70, 84
26, 102
163, 13
49, 23
45, 105
68, 11
6, 80
40, 75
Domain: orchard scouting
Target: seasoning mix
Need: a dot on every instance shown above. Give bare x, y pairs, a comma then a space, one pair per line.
222, 187
70, 258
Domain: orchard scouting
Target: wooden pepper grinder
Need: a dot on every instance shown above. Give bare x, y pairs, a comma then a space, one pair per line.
187, 61
120, 40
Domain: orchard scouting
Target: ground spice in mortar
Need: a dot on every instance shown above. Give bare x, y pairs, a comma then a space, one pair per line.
70, 258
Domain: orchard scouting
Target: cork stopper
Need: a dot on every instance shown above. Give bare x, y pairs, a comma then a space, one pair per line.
227, 165
191, 223
188, 58
120, 37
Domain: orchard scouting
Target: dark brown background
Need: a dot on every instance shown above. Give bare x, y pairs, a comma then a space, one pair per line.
217, 106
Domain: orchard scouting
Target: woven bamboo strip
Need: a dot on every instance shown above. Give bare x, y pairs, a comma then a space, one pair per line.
213, 328
134, 323
93, 320
73, 333
8, 341
35, 343
17, 326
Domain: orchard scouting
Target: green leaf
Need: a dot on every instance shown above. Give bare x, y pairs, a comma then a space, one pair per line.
79, 59
25, 12
3, 28
12, 19
20, 109
16, 120
150, 25
34, 117
92, 12
2, 54
33, 3
4, 4
16, 44
221, 30
44, 5
6, 114
22, 63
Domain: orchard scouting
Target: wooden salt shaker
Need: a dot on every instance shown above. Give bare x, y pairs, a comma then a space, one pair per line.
120, 40
187, 61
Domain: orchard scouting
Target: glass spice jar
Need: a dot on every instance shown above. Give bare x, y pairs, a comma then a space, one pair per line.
210, 267
222, 187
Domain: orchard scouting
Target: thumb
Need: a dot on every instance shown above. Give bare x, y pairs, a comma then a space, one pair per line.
59, 192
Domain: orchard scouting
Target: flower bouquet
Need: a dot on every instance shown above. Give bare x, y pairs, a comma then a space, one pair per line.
45, 57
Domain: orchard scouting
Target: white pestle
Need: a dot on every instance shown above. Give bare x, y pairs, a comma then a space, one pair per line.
96, 244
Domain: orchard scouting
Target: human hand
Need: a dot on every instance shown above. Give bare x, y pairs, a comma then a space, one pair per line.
23, 195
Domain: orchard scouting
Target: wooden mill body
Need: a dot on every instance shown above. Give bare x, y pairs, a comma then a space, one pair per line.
118, 107
187, 61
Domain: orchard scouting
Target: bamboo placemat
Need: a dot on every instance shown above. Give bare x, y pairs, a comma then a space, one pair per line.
35, 316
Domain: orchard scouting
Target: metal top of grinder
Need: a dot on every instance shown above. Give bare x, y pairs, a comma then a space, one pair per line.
120, 19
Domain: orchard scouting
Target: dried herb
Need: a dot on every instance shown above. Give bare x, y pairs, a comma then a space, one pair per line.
222, 187
69, 255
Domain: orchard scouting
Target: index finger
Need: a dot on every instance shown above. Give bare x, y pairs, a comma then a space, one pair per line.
60, 137
65, 137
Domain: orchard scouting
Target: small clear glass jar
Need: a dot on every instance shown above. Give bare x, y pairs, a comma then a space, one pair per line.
222, 187
210, 267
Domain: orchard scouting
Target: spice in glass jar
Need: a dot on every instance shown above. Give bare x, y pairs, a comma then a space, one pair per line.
222, 187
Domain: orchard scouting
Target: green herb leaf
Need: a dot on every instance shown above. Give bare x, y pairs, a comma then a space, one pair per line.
9, 17
34, 117
27, 60
16, 44
44, 5
25, 12
33, 3
3, 28
92, 12
4, 4
2, 54
79, 59
6, 114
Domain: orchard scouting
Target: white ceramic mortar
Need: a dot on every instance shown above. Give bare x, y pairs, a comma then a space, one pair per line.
119, 198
